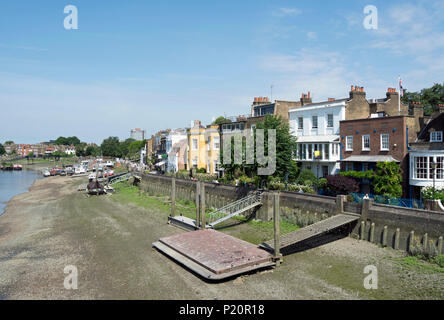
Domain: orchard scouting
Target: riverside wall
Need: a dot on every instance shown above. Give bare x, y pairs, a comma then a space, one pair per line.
389, 226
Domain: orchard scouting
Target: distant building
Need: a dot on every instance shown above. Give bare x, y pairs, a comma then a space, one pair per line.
10, 148
138, 134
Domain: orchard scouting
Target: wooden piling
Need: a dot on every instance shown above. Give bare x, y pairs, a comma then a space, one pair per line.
440, 246
197, 194
277, 231
202, 205
173, 197
411, 241
372, 232
362, 230
397, 235
384, 237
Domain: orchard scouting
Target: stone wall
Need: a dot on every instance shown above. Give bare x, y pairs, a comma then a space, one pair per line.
395, 227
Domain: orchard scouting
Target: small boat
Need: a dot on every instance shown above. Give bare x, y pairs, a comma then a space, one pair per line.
95, 188
46, 173
17, 167
80, 170
109, 164
109, 189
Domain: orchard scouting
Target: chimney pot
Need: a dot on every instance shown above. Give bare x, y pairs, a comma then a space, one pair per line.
308, 94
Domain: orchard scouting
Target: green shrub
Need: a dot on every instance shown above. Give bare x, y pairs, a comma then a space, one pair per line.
306, 175
427, 193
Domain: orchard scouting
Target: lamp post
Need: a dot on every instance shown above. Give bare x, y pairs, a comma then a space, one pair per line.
433, 166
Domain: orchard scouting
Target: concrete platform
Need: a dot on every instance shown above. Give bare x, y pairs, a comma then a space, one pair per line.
214, 255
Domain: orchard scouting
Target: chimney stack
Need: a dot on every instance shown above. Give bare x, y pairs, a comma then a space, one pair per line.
356, 90
331, 99
306, 99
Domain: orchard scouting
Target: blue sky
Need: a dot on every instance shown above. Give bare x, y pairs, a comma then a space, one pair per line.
158, 65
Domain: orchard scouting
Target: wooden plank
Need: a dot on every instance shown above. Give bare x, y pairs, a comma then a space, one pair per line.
311, 231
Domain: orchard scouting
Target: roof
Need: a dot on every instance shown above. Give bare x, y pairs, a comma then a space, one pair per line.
369, 159
333, 103
326, 138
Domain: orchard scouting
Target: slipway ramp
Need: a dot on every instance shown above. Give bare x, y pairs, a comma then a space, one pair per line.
310, 232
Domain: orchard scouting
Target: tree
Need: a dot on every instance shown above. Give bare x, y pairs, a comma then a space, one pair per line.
67, 141
221, 120
134, 148
429, 97
2, 150
92, 151
307, 177
124, 147
286, 167
110, 147
81, 149
388, 179
9, 142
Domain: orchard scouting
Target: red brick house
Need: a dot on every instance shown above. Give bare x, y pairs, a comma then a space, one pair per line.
365, 142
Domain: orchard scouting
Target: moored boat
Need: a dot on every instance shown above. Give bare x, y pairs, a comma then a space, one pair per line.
17, 167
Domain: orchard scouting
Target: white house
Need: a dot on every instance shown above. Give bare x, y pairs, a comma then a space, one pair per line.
316, 127
427, 157
70, 151
174, 141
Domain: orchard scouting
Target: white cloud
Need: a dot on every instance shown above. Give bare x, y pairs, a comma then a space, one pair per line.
284, 12
312, 35
324, 74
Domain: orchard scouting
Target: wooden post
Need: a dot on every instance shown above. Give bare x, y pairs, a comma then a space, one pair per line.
197, 204
384, 237
362, 230
173, 197
440, 245
411, 241
277, 240
425, 242
372, 232
202, 205
397, 235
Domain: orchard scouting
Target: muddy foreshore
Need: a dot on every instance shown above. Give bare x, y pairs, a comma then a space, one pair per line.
110, 243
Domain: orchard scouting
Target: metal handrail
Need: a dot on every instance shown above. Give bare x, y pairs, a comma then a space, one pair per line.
233, 208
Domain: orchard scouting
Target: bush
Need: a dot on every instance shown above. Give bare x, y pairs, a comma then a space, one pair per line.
341, 185
427, 193
306, 175
201, 170
322, 183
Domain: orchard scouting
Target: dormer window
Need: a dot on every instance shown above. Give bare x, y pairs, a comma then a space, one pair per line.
436, 136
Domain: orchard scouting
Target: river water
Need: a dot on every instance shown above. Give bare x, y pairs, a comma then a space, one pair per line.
13, 183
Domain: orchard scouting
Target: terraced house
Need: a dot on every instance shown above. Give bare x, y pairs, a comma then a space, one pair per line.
427, 156
203, 147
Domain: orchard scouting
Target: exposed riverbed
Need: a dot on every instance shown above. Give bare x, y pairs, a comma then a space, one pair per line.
109, 240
